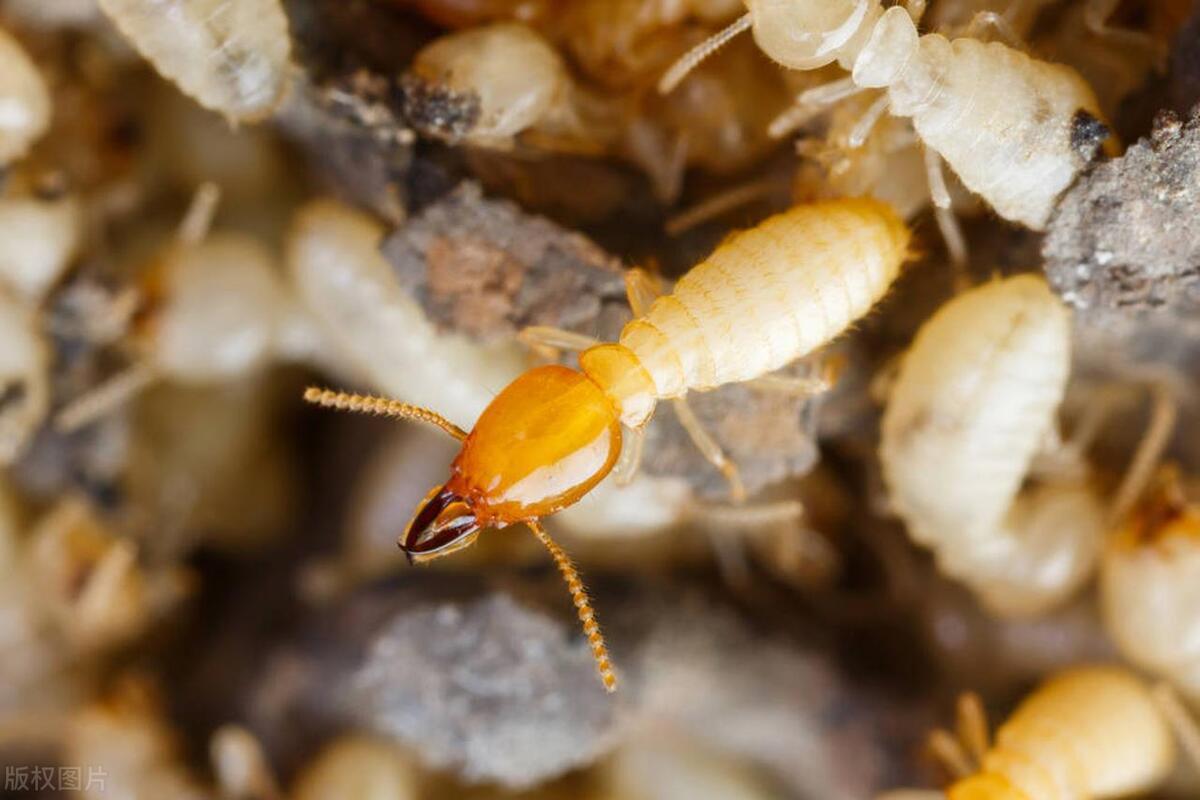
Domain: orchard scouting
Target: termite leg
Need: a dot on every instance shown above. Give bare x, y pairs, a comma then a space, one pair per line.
998, 26
241, 766
972, 727
1180, 719
641, 289
104, 582
948, 752
720, 203
548, 341
867, 122
709, 447
198, 218
810, 103
112, 393
21, 412
380, 406
583, 605
631, 456
947, 223
1149, 451
828, 370
1096, 14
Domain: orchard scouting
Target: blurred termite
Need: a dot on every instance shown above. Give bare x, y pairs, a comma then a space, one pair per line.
213, 308
1088, 733
1150, 568
24, 101
764, 298
487, 86
231, 56
1015, 130
973, 404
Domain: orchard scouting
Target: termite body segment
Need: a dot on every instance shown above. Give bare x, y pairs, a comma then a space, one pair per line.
1150, 586
975, 400
765, 297
24, 101
231, 56
1087, 734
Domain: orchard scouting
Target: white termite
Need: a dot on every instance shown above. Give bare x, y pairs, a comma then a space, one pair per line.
231, 56
24, 101
1014, 129
975, 400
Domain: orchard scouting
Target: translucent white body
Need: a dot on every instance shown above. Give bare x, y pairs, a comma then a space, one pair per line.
1003, 121
350, 289
517, 76
24, 101
975, 398
226, 310
231, 56
1006, 123
1150, 589
38, 239
1087, 734
769, 295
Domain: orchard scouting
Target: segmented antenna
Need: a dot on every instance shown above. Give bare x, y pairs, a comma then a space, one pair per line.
380, 406
692, 58
587, 616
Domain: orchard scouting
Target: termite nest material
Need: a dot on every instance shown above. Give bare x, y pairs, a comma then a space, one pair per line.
743, 390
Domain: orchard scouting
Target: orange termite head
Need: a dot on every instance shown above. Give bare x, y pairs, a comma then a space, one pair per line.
540, 445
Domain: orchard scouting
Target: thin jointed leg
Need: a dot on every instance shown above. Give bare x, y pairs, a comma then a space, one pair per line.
545, 337
709, 447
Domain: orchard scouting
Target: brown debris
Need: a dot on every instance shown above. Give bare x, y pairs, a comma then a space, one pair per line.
1124, 237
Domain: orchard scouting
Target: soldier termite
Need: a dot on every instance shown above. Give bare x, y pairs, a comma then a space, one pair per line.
1014, 129
974, 402
24, 101
1088, 733
231, 56
765, 297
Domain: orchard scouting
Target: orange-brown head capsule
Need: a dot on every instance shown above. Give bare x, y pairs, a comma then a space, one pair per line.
542, 444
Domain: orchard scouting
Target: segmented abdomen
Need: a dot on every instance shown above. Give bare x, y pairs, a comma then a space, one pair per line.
769, 295
976, 396
1003, 121
1088, 734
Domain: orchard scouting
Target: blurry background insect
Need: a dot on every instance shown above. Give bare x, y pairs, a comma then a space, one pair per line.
974, 402
1043, 125
1089, 732
232, 56
554, 433
24, 100
1150, 568
211, 307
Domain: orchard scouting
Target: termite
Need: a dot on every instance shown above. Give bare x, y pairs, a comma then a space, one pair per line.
1015, 130
765, 297
24, 101
974, 401
213, 308
486, 86
1150, 568
1088, 733
231, 56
